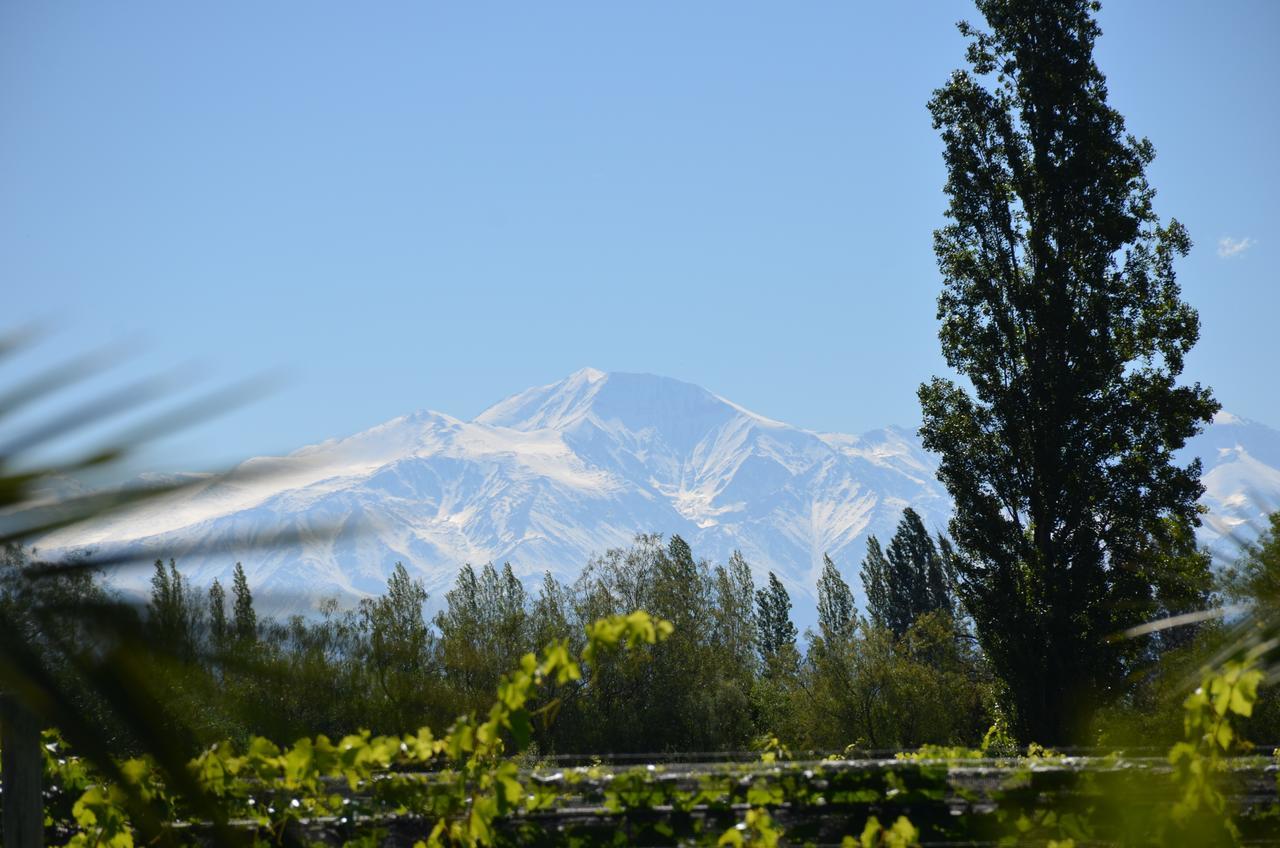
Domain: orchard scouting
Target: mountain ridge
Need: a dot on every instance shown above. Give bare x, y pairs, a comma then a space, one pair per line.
552, 475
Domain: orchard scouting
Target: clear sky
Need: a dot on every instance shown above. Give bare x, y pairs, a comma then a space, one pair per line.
420, 204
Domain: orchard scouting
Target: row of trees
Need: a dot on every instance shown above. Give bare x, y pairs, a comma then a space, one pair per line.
903, 673
177, 613
1062, 318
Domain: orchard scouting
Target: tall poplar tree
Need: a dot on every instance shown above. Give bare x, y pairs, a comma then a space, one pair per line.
1062, 311
218, 615
836, 612
174, 612
908, 580
775, 633
733, 613
244, 621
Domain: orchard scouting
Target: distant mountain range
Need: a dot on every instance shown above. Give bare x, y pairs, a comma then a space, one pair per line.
555, 474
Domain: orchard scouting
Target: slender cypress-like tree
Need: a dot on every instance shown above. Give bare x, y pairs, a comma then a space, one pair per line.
775, 633
908, 580
836, 612
919, 574
218, 615
733, 611
549, 619
875, 583
175, 613
733, 618
1062, 311
244, 621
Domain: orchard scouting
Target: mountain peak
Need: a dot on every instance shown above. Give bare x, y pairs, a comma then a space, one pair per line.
589, 374
552, 406
558, 473
636, 401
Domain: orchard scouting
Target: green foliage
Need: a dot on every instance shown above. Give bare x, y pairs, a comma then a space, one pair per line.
399, 644
775, 634
278, 787
1253, 581
730, 650
551, 612
837, 615
756, 828
464, 788
875, 582
689, 693
998, 741
927, 686
1255, 578
483, 630
901, 835
908, 581
772, 749
175, 615
1062, 311
774, 694
219, 630
1228, 693
244, 620
22, 602
383, 666
623, 682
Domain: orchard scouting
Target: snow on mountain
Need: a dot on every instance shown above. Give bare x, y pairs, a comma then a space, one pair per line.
1241, 476
555, 474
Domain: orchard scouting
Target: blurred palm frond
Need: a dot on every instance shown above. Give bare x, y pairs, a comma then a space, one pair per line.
58, 641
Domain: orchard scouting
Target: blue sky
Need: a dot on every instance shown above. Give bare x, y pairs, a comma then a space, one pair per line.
411, 205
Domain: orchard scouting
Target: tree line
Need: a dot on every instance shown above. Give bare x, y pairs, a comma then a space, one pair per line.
905, 671
1062, 321
1063, 324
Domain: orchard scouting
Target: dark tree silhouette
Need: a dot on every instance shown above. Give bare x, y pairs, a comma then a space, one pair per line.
1062, 311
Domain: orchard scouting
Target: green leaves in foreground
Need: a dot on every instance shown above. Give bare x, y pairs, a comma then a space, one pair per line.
463, 780
466, 787
1209, 710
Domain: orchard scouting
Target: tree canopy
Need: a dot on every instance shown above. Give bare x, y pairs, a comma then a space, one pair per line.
1062, 312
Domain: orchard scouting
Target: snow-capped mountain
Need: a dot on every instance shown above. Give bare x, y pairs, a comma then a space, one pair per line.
555, 474
1241, 477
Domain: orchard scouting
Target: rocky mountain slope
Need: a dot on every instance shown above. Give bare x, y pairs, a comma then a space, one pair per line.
549, 476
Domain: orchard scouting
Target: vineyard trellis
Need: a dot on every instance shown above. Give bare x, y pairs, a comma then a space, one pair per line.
468, 786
